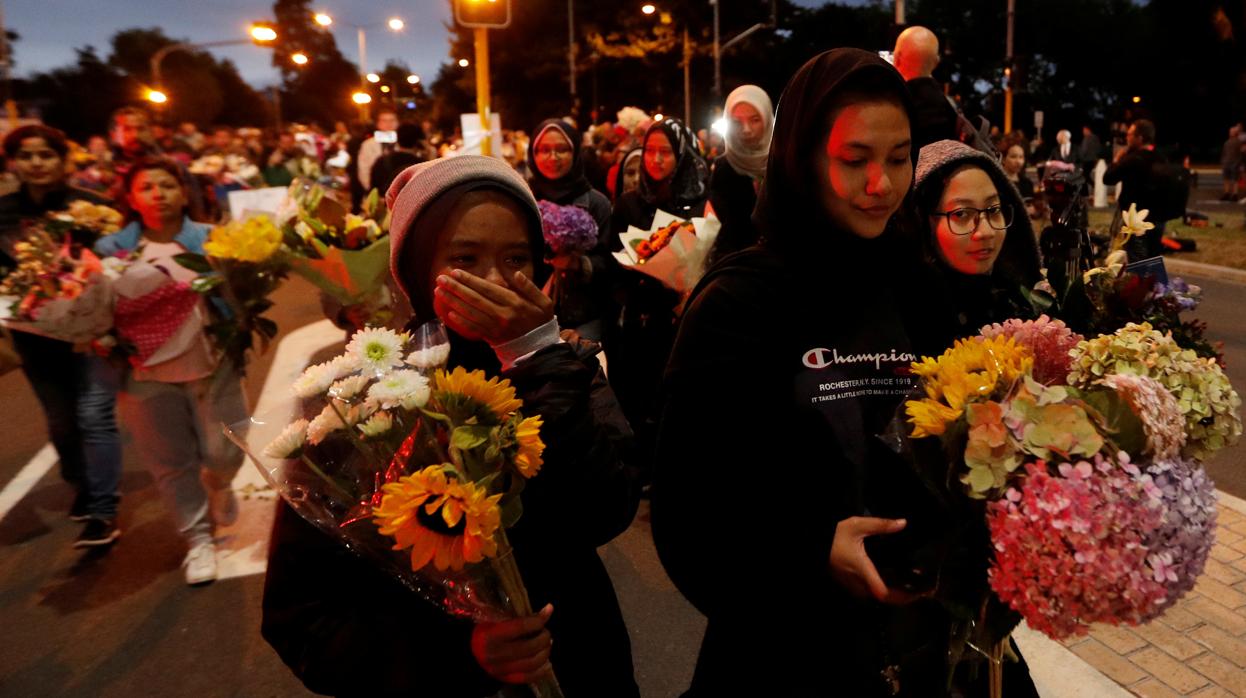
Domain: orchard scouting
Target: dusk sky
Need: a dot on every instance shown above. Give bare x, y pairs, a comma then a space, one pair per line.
51, 29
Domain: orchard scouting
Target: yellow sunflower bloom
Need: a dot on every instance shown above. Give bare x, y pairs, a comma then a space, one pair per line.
443, 522
971, 370
497, 397
253, 240
528, 461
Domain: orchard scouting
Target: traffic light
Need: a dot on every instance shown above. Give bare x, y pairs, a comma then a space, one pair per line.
490, 14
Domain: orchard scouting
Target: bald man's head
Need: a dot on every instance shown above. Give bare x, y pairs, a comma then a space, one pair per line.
917, 53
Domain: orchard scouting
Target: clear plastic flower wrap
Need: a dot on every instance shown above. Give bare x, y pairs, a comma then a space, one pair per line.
420, 476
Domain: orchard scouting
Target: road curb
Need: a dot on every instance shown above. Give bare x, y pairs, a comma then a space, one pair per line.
1185, 266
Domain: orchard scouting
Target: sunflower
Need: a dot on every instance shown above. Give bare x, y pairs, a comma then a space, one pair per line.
971, 370
443, 521
528, 461
464, 395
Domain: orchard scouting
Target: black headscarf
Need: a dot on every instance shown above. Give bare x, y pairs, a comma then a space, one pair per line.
789, 215
571, 185
689, 183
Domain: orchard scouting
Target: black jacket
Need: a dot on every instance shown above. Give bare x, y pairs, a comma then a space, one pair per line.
1139, 172
733, 197
346, 628
935, 118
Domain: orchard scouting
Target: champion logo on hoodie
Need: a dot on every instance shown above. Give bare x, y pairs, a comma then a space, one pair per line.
822, 357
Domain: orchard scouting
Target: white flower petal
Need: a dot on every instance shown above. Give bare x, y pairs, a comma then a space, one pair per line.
377, 349
378, 424
289, 442
432, 357
348, 388
403, 387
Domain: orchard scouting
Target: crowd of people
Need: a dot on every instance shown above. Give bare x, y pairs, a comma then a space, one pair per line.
863, 219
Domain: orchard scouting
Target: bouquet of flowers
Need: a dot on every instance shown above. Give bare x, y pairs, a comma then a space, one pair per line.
344, 255
1082, 460
228, 170
1107, 297
414, 467
567, 229
60, 289
672, 251
243, 265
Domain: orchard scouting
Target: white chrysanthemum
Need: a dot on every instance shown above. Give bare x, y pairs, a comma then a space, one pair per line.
432, 357
330, 420
348, 388
377, 349
344, 365
404, 388
289, 442
314, 381
377, 424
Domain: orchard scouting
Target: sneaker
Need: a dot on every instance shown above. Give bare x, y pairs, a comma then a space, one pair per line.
200, 564
97, 532
78, 510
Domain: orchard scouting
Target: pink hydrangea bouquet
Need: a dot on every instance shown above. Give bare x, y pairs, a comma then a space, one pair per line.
1085, 457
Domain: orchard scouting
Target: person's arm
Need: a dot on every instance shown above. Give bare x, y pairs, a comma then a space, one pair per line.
585, 478
369, 152
1124, 167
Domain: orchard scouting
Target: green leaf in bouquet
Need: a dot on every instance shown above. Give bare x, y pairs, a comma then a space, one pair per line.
194, 262
1116, 417
205, 284
512, 508
370, 204
350, 276
469, 437
266, 327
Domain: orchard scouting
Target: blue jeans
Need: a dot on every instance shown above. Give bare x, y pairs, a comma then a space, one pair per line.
79, 397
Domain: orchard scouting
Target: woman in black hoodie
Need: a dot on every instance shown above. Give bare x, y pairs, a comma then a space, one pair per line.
467, 248
790, 356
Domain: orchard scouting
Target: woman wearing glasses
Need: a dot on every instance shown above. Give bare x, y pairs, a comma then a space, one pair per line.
556, 164
977, 242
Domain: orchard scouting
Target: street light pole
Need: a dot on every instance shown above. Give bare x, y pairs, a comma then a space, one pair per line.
720, 49
10, 107
482, 90
571, 46
1008, 70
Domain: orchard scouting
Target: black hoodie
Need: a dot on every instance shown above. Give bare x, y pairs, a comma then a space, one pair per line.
790, 356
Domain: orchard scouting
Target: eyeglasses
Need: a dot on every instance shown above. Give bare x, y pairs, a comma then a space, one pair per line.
550, 151
964, 221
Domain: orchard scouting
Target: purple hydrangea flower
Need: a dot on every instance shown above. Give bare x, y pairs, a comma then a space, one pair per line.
567, 228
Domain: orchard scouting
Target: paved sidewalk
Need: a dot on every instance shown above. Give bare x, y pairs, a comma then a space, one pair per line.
1197, 648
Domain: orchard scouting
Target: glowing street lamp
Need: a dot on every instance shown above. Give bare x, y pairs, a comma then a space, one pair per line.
263, 33
374, 78
1137, 100
156, 97
463, 62
396, 24
299, 58
361, 98
323, 19
658, 117
648, 9
413, 79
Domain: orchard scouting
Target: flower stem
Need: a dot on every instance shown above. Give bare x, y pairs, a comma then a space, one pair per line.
332, 483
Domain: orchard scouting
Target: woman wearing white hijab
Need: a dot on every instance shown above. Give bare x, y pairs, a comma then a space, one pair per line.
737, 175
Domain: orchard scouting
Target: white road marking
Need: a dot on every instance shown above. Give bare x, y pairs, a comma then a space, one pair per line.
27, 478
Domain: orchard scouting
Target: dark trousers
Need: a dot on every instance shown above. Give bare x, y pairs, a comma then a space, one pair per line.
78, 393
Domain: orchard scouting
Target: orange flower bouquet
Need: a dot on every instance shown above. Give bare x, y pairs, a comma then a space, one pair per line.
414, 467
